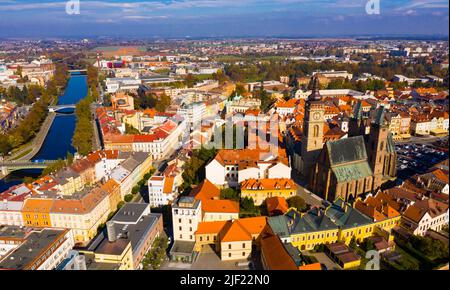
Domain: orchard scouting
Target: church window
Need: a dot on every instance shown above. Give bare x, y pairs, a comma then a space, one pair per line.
316, 130
382, 146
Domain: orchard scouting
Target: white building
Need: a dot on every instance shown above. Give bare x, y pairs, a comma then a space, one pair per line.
193, 114
334, 74
113, 85
161, 190
186, 214
231, 167
424, 215
39, 249
162, 141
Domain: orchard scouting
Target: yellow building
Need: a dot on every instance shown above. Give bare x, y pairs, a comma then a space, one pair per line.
68, 181
338, 223
83, 215
36, 212
233, 240
261, 189
117, 253
383, 210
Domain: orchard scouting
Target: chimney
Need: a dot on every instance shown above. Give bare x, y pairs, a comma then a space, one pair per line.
80, 263
111, 232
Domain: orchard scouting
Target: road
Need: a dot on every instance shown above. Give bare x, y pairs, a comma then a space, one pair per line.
304, 193
96, 142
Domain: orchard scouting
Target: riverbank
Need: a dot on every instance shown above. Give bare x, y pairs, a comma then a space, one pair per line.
53, 140
29, 151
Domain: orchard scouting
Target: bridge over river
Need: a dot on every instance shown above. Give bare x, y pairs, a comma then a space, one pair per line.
9, 166
61, 107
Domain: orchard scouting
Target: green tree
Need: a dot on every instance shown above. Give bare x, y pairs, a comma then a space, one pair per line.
154, 258
163, 103
230, 194
248, 208
298, 203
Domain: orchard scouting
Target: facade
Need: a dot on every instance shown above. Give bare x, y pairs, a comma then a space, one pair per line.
11, 205
338, 222
132, 225
424, 215
162, 190
186, 214
231, 167
234, 240
241, 105
83, 215
261, 189
193, 114
348, 173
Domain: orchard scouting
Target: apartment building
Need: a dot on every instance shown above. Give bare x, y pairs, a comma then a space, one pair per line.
34, 249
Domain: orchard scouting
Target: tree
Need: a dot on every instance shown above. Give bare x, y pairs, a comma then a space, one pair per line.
69, 158
84, 131
434, 249
154, 258
163, 103
190, 80
129, 129
240, 90
230, 194
266, 100
248, 208
194, 168
298, 203
58, 165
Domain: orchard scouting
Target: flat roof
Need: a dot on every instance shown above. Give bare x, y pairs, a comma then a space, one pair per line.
13, 232
130, 213
35, 244
182, 247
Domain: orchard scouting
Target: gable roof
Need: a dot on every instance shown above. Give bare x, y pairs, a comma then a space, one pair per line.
275, 254
433, 207
276, 204
346, 150
345, 216
205, 190
235, 233
220, 206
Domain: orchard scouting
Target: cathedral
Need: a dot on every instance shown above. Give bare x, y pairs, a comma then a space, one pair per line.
350, 166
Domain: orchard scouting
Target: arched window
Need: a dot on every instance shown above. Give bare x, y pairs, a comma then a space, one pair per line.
316, 130
382, 146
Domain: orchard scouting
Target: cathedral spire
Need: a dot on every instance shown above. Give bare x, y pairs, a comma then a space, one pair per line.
315, 95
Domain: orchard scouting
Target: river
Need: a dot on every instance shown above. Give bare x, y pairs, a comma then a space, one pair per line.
59, 138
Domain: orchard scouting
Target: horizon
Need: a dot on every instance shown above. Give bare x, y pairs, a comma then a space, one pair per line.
174, 19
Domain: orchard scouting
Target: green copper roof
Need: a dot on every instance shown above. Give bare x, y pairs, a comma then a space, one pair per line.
312, 221
279, 225
346, 216
354, 171
347, 150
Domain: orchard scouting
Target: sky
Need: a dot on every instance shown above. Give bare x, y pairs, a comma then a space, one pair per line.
221, 18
